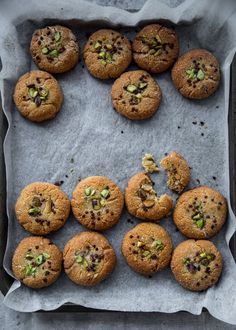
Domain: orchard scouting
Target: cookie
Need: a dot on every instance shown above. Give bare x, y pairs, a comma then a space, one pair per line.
107, 54
196, 265
37, 262
196, 74
97, 203
155, 48
88, 258
54, 49
42, 208
200, 212
136, 95
38, 96
147, 248
178, 171
142, 200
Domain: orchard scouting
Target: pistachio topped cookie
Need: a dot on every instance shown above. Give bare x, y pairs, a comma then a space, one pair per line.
196, 74
107, 54
136, 95
37, 262
38, 96
42, 208
97, 203
54, 49
200, 212
147, 248
88, 258
196, 265
155, 48
142, 200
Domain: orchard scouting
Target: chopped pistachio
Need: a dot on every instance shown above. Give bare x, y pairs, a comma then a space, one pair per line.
203, 255
104, 193
157, 244
97, 45
102, 54
139, 244
158, 52
142, 85
200, 75
46, 255
197, 216
48, 206
102, 202
131, 88
32, 92
43, 94
54, 53
109, 46
186, 261
95, 275
108, 57
87, 191
152, 51
191, 73
57, 36
158, 38
103, 62
93, 192
34, 211
200, 223
39, 259
30, 270
45, 50
139, 95
146, 253
79, 259
29, 256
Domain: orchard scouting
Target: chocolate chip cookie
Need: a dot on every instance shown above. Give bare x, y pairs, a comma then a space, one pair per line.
142, 200
196, 74
200, 212
155, 48
147, 248
196, 265
136, 95
42, 208
107, 54
54, 49
88, 258
38, 96
97, 203
37, 262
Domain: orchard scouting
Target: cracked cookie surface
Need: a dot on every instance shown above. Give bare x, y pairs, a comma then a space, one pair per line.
200, 212
196, 74
37, 262
42, 208
97, 203
136, 95
54, 49
147, 248
88, 258
38, 96
196, 265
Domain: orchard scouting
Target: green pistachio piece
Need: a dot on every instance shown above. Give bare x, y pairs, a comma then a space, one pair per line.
108, 57
200, 223
158, 38
57, 36
102, 54
97, 45
54, 53
158, 52
32, 92
85, 262
203, 255
103, 62
102, 202
139, 95
34, 211
87, 191
93, 192
200, 75
29, 256
146, 253
46, 255
39, 259
109, 46
157, 243
29, 270
43, 94
139, 244
79, 259
152, 51
191, 73
104, 193
131, 88
197, 216
186, 261
45, 50
142, 85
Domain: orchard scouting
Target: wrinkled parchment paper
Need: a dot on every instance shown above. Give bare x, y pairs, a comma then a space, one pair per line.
89, 138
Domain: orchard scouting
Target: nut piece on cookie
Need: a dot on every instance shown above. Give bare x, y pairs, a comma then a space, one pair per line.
178, 171
142, 200
196, 74
136, 95
37, 262
196, 265
107, 54
88, 258
200, 212
97, 203
147, 248
149, 164
54, 49
155, 48
42, 208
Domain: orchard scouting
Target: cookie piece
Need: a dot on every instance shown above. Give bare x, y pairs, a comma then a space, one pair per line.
155, 48
88, 258
178, 171
142, 200
54, 49
136, 95
149, 164
147, 248
200, 212
42, 208
97, 203
196, 265
37, 262
107, 54
38, 96
196, 74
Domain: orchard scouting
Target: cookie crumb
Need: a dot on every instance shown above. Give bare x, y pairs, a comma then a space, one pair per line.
149, 164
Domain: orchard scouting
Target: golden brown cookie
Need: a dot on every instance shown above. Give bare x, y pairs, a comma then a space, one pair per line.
107, 54
38, 96
200, 212
136, 95
178, 171
42, 208
54, 49
155, 48
196, 74
97, 203
142, 200
88, 258
37, 262
147, 248
196, 265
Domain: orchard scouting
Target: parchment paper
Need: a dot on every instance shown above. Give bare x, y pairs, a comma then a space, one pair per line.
89, 138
